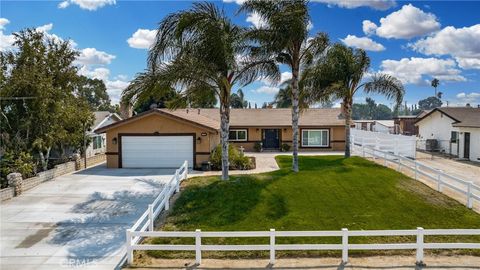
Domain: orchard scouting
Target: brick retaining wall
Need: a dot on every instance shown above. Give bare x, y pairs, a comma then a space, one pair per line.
58, 170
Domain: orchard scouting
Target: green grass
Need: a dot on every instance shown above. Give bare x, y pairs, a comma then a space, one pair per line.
329, 193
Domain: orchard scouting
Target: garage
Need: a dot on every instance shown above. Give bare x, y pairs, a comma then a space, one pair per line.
160, 151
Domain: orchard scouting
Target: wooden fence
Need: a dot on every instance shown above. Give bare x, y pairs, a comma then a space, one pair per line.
398, 144
442, 180
162, 202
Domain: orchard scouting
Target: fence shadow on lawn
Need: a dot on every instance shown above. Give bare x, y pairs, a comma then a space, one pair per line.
102, 232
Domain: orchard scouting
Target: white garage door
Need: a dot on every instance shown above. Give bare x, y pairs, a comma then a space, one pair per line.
156, 151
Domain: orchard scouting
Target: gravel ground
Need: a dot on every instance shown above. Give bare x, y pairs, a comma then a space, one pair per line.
376, 262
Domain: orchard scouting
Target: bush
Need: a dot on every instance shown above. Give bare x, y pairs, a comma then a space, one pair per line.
285, 147
257, 147
22, 163
238, 161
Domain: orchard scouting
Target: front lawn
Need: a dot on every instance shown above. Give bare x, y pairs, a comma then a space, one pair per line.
329, 193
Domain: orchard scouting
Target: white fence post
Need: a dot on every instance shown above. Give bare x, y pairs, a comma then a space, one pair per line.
186, 170
399, 164
344, 245
129, 246
363, 150
469, 195
198, 247
385, 158
272, 246
167, 198
177, 181
419, 246
395, 146
150, 217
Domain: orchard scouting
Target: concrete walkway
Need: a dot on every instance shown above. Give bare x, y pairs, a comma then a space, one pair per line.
265, 162
468, 171
76, 220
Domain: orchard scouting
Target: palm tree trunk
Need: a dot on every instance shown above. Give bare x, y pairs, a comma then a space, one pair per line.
224, 131
348, 118
295, 116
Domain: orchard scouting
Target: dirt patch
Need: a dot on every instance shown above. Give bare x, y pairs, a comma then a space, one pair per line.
38, 236
375, 262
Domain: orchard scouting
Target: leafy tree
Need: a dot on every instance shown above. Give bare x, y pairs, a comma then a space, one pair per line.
429, 103
435, 83
202, 53
383, 112
284, 37
238, 100
283, 99
146, 91
95, 93
342, 72
39, 104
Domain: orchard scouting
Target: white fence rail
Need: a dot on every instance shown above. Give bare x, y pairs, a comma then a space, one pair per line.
147, 219
419, 245
398, 144
442, 180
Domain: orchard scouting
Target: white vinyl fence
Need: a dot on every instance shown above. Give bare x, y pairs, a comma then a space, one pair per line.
146, 221
419, 245
398, 144
465, 188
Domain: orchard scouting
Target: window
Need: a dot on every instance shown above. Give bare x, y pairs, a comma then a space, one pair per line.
97, 142
237, 135
315, 138
454, 137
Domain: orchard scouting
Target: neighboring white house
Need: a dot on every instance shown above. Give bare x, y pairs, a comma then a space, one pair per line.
453, 130
98, 143
384, 126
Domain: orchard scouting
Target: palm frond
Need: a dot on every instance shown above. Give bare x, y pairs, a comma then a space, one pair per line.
386, 85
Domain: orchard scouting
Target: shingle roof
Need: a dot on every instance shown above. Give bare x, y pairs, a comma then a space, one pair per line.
210, 118
278, 117
99, 117
463, 116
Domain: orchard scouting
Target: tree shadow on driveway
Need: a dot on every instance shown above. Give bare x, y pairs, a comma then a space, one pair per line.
100, 232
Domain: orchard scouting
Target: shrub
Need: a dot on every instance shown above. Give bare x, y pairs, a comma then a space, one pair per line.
238, 161
285, 147
22, 163
257, 146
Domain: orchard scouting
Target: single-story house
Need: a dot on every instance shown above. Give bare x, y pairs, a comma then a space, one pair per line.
453, 130
384, 126
165, 138
98, 145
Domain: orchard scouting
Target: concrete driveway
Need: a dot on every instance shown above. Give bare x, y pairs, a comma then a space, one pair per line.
76, 220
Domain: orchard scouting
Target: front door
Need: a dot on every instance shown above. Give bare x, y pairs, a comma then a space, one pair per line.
466, 146
271, 139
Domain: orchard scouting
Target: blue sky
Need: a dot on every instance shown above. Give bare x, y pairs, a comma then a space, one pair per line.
414, 41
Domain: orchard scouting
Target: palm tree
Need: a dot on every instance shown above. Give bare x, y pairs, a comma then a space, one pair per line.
340, 76
199, 52
284, 36
237, 100
283, 99
435, 84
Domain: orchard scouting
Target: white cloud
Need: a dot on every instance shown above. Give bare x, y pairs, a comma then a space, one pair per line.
363, 43
374, 4
87, 4
100, 73
417, 70
309, 25
142, 39
114, 87
45, 28
369, 27
406, 23
238, 2
461, 43
269, 90
284, 76
464, 98
6, 41
256, 20
3, 22
468, 63
91, 56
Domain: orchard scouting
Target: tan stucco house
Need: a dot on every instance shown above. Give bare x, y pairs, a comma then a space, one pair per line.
165, 138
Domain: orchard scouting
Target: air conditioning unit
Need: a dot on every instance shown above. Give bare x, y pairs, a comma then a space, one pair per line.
431, 145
